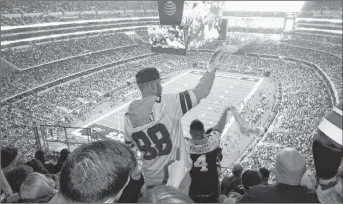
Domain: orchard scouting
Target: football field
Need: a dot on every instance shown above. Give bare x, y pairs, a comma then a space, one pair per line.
227, 89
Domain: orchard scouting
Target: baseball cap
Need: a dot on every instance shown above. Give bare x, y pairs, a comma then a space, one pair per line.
147, 74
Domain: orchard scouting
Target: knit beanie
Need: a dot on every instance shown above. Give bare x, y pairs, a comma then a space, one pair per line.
289, 167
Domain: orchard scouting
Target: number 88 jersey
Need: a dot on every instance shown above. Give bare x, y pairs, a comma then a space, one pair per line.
153, 125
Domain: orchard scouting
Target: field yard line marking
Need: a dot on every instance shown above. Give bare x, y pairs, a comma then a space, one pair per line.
127, 103
251, 93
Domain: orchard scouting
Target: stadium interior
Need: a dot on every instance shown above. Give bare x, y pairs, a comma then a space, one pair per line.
67, 78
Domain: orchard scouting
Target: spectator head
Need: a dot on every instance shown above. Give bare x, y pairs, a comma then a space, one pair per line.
40, 155
264, 175
63, 155
309, 180
164, 194
250, 178
149, 82
9, 158
37, 166
197, 130
96, 172
37, 185
17, 176
290, 167
172, 34
237, 170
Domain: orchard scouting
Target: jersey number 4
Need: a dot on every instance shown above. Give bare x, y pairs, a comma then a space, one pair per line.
201, 163
161, 146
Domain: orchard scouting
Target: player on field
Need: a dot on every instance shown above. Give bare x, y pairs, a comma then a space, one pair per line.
206, 157
153, 123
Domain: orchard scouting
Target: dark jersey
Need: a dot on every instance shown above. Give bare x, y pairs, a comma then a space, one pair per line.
206, 160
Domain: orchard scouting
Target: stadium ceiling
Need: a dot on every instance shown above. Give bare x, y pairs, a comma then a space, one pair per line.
266, 6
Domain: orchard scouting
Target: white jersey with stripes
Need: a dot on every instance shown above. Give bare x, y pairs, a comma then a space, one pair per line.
161, 139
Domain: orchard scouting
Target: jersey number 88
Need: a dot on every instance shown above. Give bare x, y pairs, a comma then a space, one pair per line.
161, 146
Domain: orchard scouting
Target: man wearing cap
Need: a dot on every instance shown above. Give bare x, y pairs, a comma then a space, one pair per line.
153, 123
289, 169
327, 151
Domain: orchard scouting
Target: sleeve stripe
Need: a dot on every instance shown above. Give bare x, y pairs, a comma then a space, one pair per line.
188, 100
331, 130
183, 104
194, 98
335, 119
337, 111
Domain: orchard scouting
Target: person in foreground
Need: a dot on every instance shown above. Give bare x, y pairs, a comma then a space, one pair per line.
96, 172
153, 124
206, 157
289, 170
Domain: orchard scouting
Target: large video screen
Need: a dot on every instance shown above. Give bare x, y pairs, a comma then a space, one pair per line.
205, 22
167, 39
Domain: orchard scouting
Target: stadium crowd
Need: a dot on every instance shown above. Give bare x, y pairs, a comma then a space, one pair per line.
300, 91
48, 6
306, 109
28, 176
39, 54
47, 11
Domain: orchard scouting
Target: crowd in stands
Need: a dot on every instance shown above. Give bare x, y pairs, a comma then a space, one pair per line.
46, 18
70, 96
111, 167
322, 38
322, 5
39, 54
42, 6
18, 82
45, 11
330, 48
321, 9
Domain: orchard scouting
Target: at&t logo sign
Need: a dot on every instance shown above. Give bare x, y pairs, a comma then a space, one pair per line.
170, 8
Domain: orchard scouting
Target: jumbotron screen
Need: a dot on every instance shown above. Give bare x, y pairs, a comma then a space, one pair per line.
167, 39
205, 22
